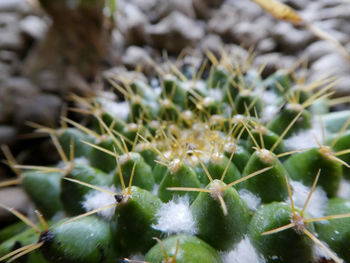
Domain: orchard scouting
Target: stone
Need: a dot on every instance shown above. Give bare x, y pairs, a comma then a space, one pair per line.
318, 49
131, 23
266, 45
5, 71
12, 93
18, 6
13, 197
10, 37
248, 34
291, 39
342, 86
212, 43
48, 81
273, 61
136, 57
204, 9
7, 134
174, 33
333, 64
222, 23
165, 7
40, 108
17, 87
34, 27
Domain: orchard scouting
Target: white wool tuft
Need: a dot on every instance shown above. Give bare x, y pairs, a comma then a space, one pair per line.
250, 199
176, 217
136, 258
155, 189
269, 112
318, 201
319, 253
81, 160
305, 138
116, 109
96, 199
243, 252
344, 189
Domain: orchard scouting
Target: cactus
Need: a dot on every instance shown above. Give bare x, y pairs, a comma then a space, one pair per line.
190, 172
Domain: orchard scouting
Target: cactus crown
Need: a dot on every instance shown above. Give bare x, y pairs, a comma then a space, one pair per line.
218, 142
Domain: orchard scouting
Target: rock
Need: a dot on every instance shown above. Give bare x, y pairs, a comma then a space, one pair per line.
342, 86
165, 7
222, 23
34, 27
212, 43
7, 134
318, 49
12, 93
40, 108
5, 71
13, 197
118, 73
47, 81
273, 62
332, 64
18, 6
248, 10
9, 58
266, 45
17, 87
144, 5
10, 33
136, 57
291, 39
248, 34
342, 12
131, 22
174, 33
205, 8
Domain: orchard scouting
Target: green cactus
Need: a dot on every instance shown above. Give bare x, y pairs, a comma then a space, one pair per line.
201, 168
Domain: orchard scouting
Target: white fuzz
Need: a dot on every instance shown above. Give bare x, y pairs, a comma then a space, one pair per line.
269, 112
96, 199
81, 160
305, 138
176, 217
155, 189
243, 252
116, 109
252, 201
318, 201
319, 253
136, 258
344, 189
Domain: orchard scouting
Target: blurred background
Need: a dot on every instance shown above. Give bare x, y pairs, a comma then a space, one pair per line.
50, 49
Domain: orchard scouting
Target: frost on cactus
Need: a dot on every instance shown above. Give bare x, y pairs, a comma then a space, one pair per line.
231, 166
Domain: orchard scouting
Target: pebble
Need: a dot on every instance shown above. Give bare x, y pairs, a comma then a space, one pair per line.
165, 7
18, 6
13, 197
136, 57
318, 49
40, 108
175, 32
291, 39
7, 134
34, 27
10, 37
212, 43
131, 22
